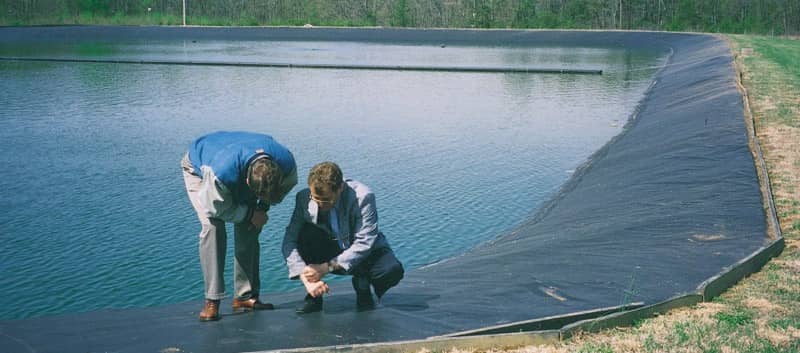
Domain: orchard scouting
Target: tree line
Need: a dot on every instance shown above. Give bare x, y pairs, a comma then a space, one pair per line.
776, 17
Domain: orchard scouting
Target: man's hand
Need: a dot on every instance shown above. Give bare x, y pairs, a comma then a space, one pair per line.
315, 289
314, 273
258, 220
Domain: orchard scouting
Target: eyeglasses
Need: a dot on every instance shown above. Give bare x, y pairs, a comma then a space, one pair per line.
321, 202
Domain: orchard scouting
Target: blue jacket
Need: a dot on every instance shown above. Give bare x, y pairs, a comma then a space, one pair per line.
221, 159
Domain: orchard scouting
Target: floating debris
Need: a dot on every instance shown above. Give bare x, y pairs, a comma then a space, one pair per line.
707, 237
552, 292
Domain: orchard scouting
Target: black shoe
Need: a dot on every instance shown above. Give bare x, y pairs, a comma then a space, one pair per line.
364, 301
310, 305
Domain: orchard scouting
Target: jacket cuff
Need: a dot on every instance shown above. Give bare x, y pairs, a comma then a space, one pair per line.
295, 271
344, 265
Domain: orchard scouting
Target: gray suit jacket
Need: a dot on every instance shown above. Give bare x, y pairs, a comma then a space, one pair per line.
358, 222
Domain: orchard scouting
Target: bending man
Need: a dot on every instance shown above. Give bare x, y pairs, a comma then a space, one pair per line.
235, 177
334, 229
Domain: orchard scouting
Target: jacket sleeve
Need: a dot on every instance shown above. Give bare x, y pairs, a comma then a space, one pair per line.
366, 233
218, 200
294, 262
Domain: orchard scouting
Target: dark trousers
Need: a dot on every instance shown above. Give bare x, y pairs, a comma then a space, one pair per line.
381, 268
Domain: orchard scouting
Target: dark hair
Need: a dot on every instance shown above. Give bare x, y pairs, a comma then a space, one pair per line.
265, 177
325, 176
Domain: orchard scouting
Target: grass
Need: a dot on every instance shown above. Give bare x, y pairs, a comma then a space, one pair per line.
159, 19
761, 314
780, 75
151, 19
735, 318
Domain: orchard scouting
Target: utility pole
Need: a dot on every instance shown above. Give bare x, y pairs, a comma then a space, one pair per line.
184, 13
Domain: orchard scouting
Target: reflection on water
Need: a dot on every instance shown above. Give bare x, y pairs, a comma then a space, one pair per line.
95, 212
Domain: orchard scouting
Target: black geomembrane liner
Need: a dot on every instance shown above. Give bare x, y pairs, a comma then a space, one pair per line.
666, 204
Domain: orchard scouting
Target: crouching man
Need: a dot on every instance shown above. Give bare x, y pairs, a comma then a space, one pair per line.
334, 229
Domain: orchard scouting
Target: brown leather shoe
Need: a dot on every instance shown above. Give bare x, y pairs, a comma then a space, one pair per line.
251, 304
210, 311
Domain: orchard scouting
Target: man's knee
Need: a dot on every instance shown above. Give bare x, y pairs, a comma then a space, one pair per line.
388, 274
393, 274
210, 227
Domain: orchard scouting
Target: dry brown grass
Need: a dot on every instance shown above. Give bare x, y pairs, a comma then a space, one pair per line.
777, 337
790, 265
763, 306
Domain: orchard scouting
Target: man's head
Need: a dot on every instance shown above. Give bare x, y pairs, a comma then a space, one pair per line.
325, 182
264, 178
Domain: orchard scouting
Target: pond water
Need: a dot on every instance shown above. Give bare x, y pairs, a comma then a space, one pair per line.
95, 212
